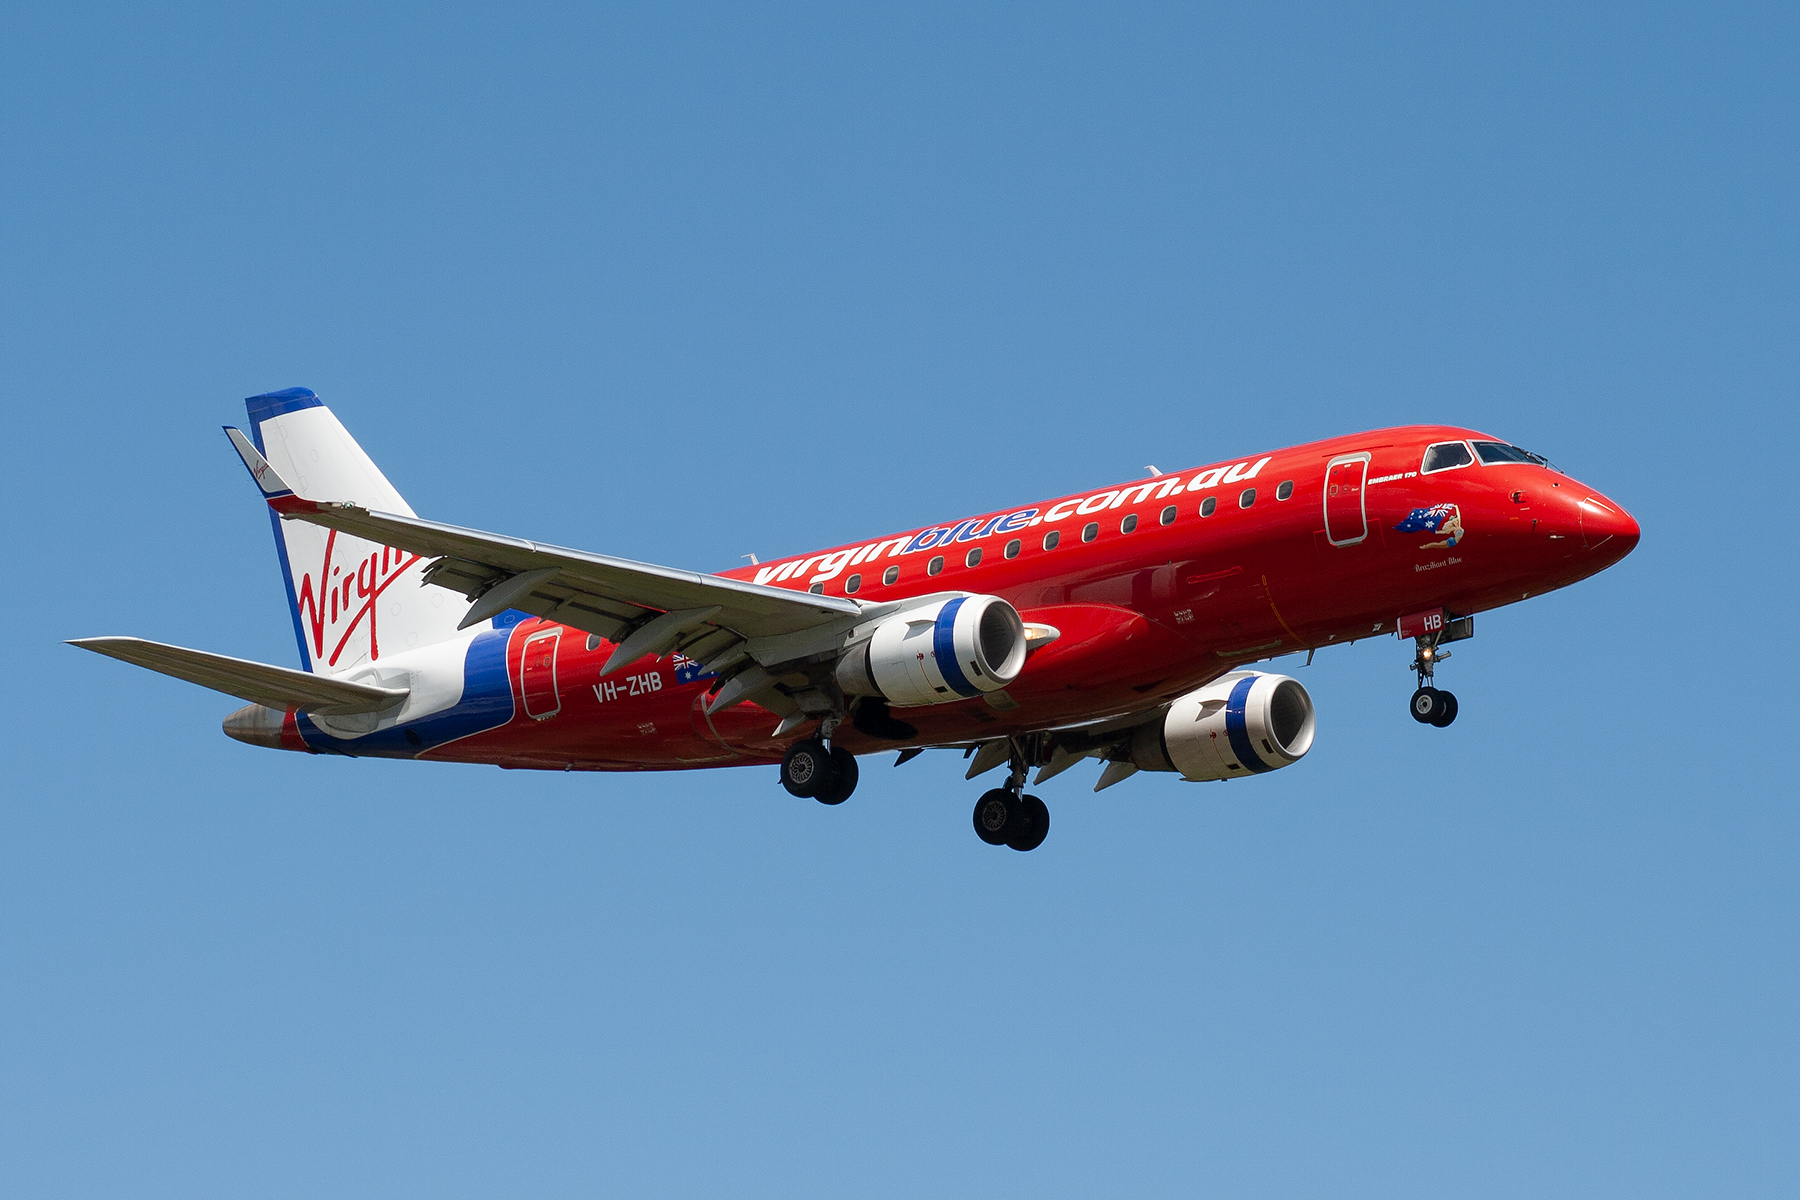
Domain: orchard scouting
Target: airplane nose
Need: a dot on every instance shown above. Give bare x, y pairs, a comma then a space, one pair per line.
1606, 527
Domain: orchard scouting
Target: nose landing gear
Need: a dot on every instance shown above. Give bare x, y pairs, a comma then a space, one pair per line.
1430, 705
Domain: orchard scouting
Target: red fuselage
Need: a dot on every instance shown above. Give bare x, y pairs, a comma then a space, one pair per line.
1312, 546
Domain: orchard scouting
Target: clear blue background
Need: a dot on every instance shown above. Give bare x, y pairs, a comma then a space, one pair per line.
686, 286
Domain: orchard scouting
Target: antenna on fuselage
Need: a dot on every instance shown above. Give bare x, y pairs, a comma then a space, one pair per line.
1150, 467
754, 561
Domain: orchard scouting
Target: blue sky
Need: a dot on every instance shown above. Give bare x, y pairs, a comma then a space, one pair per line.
686, 285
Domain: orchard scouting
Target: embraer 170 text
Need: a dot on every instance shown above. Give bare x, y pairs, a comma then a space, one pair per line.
1118, 625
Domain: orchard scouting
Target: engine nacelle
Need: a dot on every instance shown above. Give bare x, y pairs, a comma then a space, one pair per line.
1242, 724
937, 653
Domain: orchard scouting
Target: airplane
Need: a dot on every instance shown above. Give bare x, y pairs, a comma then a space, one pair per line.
1119, 624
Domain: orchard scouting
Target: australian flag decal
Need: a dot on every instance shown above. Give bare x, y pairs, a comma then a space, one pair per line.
1439, 518
689, 671
1426, 520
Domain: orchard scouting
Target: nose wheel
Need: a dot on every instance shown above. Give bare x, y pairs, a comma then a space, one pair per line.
1430, 705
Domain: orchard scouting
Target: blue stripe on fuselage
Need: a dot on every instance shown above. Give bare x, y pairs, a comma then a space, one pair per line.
487, 703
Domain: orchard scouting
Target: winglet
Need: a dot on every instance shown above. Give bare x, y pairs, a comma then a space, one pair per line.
275, 489
272, 485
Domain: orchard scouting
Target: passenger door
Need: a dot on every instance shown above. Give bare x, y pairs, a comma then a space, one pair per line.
1346, 516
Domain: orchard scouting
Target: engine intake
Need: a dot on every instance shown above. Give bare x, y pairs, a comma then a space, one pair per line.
938, 653
1242, 724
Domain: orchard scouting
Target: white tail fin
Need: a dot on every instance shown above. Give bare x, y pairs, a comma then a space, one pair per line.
353, 601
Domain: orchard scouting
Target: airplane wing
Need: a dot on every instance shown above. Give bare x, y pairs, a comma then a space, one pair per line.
646, 609
259, 683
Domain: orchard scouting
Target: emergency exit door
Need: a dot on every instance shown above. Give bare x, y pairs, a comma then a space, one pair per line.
1346, 514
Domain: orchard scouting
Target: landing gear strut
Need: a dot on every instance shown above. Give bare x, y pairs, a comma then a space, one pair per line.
1006, 816
1430, 705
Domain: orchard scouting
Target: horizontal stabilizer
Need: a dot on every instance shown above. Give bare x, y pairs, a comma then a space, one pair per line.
259, 683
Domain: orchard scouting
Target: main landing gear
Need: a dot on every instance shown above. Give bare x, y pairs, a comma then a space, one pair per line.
815, 769
1006, 816
1430, 705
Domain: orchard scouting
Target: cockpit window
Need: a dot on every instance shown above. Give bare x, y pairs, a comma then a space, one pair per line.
1500, 452
1445, 455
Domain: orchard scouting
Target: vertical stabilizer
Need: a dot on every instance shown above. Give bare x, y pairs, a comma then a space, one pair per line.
353, 601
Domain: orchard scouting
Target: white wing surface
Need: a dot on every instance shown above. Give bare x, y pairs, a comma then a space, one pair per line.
648, 609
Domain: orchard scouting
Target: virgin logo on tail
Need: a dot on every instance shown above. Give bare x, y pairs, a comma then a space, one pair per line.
344, 595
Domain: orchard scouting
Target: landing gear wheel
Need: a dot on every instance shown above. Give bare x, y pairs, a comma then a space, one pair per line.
807, 769
1034, 824
844, 763
1425, 705
997, 817
1447, 709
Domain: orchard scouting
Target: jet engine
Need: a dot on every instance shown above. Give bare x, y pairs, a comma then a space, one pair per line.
1241, 724
937, 653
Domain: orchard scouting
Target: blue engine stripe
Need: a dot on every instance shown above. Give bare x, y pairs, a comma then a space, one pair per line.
943, 645
1238, 732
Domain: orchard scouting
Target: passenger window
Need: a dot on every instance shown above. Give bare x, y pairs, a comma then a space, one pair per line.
817, 589
1051, 538
1128, 524
1012, 548
1208, 505
1444, 456
1285, 490
853, 585
973, 558
1168, 515
935, 565
1090, 531
890, 575
1247, 497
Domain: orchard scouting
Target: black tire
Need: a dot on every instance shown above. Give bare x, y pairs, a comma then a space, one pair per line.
844, 763
996, 817
1034, 824
807, 769
1447, 705
1425, 705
